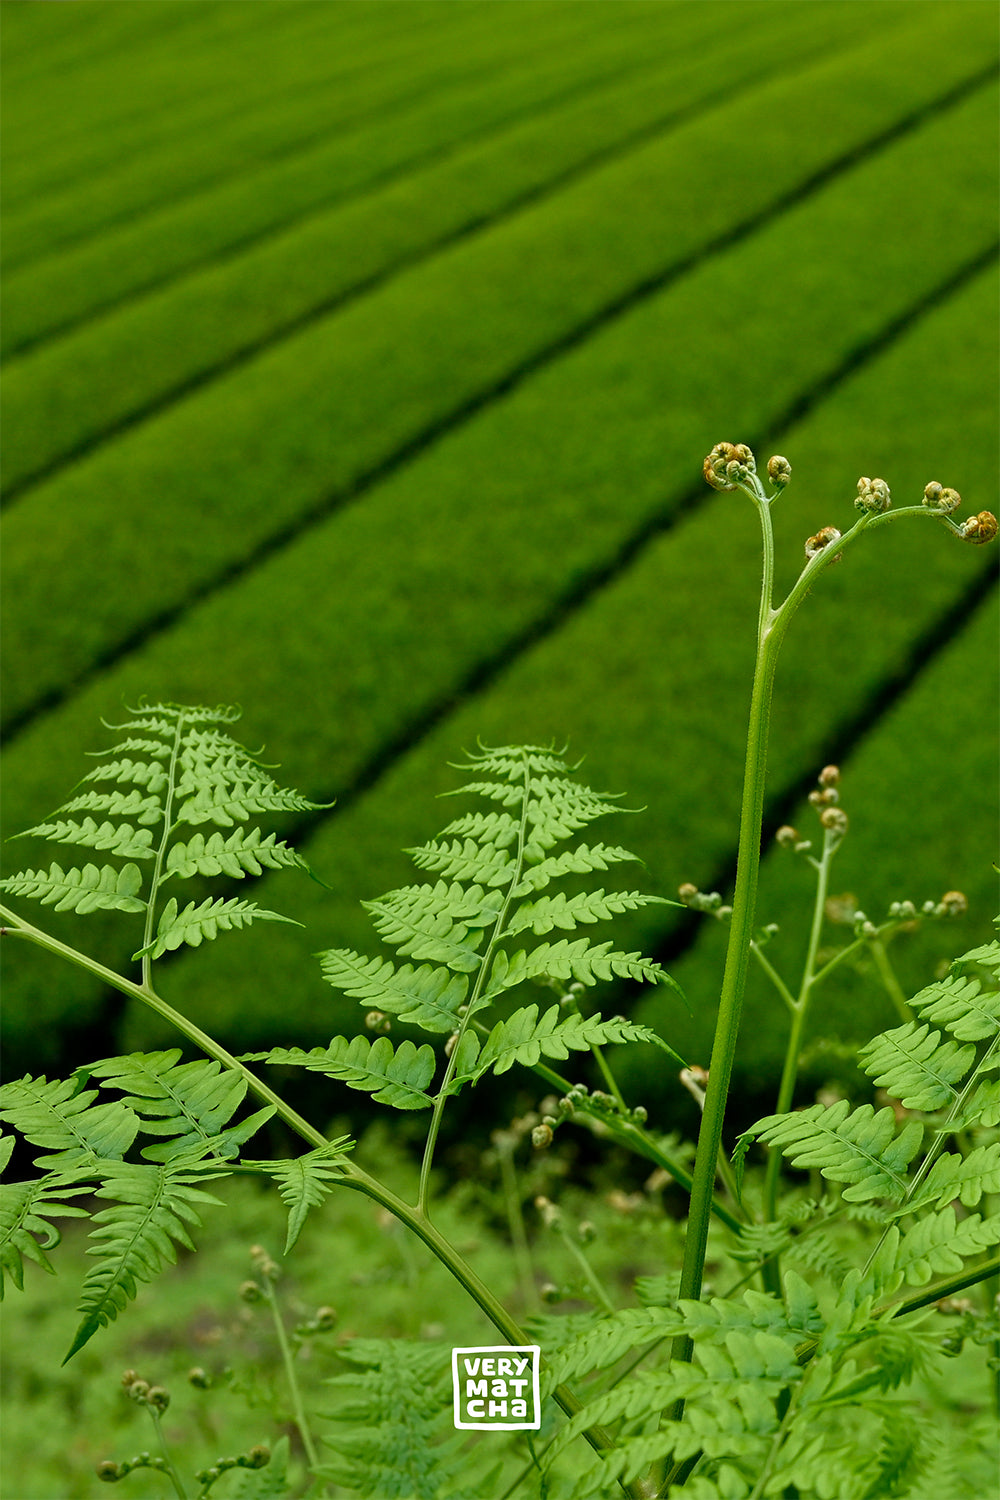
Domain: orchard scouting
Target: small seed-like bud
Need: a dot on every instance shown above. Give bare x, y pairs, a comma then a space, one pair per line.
822, 540
873, 495
829, 776
936, 497
108, 1471
549, 1292
586, 1231
834, 819
158, 1398
326, 1318
954, 904
451, 1044
259, 1456
787, 836
377, 1020
199, 1378
541, 1136
251, 1292
138, 1390
714, 467
779, 470
979, 529
687, 892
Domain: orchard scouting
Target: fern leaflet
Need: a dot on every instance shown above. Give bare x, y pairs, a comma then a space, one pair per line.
495, 868
179, 767
304, 1181
25, 1230
399, 1078
137, 1235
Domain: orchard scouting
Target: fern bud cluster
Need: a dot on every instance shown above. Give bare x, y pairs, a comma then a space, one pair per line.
873, 495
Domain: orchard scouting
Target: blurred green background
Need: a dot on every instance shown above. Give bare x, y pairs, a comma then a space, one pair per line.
360, 362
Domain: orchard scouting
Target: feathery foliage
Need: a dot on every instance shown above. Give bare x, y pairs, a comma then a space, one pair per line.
176, 768
495, 868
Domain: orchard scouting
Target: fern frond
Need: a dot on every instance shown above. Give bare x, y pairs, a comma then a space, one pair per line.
965, 1178
145, 810
25, 1231
607, 1341
579, 861
524, 1038
80, 890
399, 1078
581, 961
244, 851
940, 1243
149, 774
120, 839
567, 912
190, 1102
859, 1147
464, 860
198, 922
65, 1120
961, 1004
424, 997
304, 1181
137, 1235
444, 923
388, 1443
917, 1066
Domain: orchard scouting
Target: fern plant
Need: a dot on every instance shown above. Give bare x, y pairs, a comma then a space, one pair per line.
749, 1394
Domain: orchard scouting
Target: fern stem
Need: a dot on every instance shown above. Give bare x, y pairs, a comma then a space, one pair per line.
890, 983
154, 882
941, 1289
771, 1270
773, 975
170, 1470
288, 1360
484, 969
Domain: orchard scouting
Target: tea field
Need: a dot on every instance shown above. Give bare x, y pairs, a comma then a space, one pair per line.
360, 362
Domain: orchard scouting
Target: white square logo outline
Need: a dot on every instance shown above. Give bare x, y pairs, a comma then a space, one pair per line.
504, 1352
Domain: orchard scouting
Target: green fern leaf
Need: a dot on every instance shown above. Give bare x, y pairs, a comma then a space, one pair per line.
523, 1038
25, 1231
607, 1341
858, 1146
567, 912
304, 1181
399, 1078
579, 861
191, 1102
962, 1006
965, 1178
916, 1066
424, 997
83, 891
137, 1235
581, 961
465, 860
938, 1244
145, 810
120, 839
149, 774
66, 1121
196, 923
244, 851
444, 923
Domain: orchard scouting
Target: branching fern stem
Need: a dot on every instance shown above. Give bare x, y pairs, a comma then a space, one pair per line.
773, 624
481, 979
